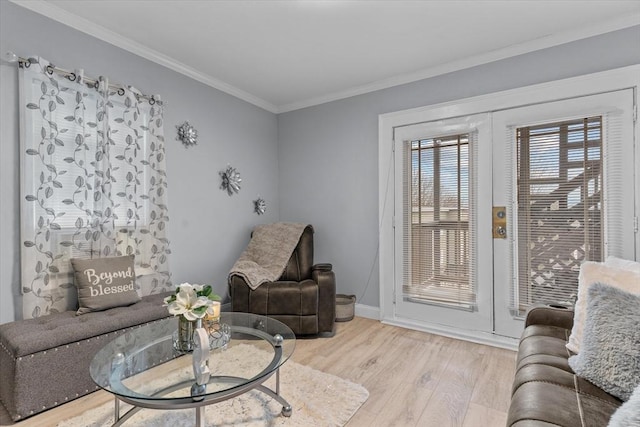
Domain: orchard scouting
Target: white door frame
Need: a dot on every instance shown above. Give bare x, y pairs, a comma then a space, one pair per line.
621, 78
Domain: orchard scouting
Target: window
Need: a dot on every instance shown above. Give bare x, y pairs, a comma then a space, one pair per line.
74, 150
93, 182
77, 162
439, 242
560, 207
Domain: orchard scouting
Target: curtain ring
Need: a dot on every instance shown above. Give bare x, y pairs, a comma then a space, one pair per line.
50, 68
72, 77
120, 91
152, 100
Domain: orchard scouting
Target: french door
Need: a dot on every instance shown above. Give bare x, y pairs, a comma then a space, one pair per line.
564, 173
442, 197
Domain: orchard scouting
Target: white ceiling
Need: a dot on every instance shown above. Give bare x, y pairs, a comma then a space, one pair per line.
284, 55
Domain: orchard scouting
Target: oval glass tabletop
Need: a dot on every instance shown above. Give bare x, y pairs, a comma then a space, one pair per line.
143, 365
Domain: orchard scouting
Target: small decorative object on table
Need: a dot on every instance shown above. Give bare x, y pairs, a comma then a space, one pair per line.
191, 303
200, 362
219, 333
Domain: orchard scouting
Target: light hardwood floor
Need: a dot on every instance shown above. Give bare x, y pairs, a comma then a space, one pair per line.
413, 378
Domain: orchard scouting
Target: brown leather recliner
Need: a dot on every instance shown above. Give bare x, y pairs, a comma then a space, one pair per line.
303, 298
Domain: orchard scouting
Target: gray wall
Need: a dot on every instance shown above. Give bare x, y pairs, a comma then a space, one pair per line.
207, 228
329, 153
316, 165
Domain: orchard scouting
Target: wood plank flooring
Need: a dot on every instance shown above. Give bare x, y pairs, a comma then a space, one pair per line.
413, 378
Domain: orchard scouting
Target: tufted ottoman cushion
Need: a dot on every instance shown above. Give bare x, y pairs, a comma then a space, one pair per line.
44, 362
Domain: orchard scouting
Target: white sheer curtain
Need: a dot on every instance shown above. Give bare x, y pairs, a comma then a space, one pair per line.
93, 183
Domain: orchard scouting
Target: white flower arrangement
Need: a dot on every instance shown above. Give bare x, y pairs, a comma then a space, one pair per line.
193, 302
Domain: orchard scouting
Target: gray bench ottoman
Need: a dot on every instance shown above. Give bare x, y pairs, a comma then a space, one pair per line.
44, 362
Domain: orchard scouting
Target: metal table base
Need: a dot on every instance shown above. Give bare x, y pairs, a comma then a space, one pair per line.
199, 405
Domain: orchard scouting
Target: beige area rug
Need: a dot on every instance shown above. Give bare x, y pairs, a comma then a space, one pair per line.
317, 399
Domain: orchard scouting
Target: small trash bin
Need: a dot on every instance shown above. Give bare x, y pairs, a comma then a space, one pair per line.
345, 307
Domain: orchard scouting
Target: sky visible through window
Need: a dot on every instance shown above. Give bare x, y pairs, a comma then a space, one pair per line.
443, 161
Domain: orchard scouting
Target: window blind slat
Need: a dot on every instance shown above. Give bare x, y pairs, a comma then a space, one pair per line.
559, 208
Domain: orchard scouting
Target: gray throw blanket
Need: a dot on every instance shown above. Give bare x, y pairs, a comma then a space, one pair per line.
268, 253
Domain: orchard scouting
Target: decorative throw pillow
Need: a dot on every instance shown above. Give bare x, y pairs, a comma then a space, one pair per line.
624, 264
594, 272
628, 415
105, 283
610, 352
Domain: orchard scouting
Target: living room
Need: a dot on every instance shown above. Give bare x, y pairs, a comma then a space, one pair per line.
316, 157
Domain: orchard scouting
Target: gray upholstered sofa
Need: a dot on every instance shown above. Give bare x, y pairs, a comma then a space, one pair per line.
44, 362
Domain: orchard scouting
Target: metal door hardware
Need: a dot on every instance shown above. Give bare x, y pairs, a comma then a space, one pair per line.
499, 222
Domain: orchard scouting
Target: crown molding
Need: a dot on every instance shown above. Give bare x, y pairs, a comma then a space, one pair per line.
496, 55
50, 11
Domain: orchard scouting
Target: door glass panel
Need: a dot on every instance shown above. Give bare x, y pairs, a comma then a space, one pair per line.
559, 206
437, 242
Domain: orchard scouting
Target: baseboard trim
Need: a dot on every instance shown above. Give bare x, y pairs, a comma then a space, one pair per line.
367, 311
477, 337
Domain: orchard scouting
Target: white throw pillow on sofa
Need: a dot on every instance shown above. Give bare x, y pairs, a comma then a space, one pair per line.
627, 279
623, 264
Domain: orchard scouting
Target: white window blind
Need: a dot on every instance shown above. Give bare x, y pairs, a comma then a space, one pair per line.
560, 208
439, 221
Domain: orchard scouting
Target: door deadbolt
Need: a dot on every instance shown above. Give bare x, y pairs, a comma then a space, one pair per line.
499, 222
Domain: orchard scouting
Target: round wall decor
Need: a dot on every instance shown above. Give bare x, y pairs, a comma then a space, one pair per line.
260, 206
187, 134
230, 180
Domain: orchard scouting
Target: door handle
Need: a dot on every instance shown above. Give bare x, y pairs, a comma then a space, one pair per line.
499, 222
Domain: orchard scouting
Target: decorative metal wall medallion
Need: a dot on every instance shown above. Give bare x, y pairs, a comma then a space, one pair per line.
260, 206
187, 134
230, 180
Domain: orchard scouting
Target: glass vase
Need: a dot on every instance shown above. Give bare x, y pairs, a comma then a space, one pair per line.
184, 340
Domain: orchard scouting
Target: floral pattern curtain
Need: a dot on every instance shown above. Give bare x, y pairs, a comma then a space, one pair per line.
93, 183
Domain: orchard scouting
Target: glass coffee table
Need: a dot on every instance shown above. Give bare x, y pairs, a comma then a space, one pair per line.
142, 367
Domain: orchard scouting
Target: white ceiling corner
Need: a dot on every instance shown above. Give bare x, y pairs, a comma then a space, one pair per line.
286, 55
